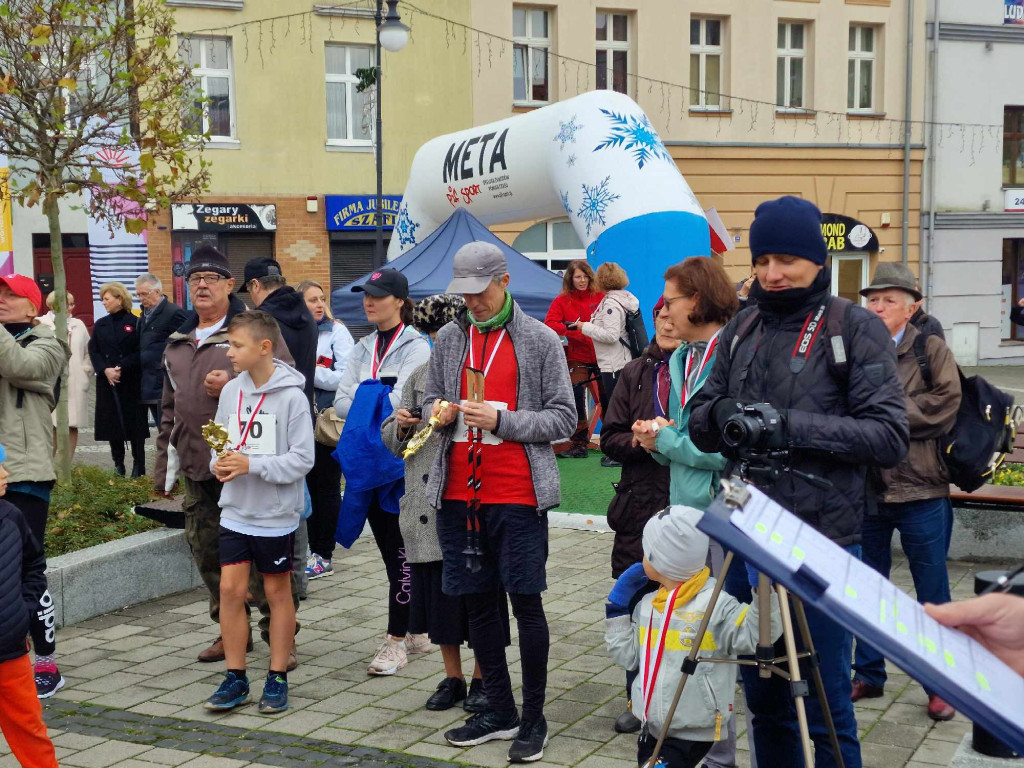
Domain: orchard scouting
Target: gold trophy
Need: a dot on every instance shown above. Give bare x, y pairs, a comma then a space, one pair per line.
216, 437
418, 440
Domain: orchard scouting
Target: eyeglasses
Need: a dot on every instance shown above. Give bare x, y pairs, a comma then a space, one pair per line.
668, 302
210, 280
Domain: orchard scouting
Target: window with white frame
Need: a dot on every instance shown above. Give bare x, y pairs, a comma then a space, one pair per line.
210, 59
790, 63
552, 244
532, 41
860, 88
612, 60
350, 115
706, 54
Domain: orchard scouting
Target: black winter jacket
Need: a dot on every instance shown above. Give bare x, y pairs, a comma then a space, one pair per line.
927, 324
643, 489
165, 319
835, 429
298, 329
22, 580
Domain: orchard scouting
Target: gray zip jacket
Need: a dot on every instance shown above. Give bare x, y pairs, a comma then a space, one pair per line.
545, 410
271, 494
707, 702
408, 352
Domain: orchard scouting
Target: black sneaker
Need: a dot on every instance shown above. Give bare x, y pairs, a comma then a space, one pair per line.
576, 452
627, 722
608, 461
450, 692
48, 682
483, 727
476, 699
529, 744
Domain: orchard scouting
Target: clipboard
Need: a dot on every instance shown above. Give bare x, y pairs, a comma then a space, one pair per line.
825, 575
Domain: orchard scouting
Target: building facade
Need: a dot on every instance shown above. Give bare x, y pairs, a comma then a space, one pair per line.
974, 216
753, 99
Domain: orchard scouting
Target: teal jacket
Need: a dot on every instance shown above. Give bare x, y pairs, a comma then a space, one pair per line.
695, 475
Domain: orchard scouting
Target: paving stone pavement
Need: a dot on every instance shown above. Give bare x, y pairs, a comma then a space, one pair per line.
135, 690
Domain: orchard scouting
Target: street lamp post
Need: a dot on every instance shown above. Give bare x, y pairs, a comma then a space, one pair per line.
392, 35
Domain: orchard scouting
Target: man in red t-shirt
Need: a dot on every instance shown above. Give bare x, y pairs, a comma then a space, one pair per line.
493, 481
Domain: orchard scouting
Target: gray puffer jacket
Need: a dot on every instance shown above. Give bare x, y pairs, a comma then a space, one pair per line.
545, 410
416, 518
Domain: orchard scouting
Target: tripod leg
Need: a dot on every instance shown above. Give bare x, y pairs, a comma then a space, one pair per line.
797, 686
691, 660
819, 686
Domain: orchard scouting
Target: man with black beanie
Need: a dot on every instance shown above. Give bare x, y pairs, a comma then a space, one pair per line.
829, 368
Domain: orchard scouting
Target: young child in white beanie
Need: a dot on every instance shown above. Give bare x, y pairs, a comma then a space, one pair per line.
674, 555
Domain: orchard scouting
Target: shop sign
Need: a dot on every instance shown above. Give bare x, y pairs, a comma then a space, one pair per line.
223, 217
1013, 11
350, 213
1013, 200
845, 235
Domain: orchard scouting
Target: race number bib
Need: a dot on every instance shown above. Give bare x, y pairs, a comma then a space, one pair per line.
461, 430
262, 437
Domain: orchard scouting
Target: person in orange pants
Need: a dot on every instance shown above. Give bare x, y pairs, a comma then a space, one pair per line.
21, 714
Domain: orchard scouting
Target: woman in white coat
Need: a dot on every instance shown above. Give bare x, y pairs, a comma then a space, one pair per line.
79, 371
333, 346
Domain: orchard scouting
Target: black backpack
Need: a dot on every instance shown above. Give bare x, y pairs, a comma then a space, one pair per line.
983, 433
634, 336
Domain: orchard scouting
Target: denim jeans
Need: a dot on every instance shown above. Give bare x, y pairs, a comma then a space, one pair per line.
923, 527
776, 735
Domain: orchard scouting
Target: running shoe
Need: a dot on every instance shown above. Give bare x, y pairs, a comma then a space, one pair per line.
233, 692
317, 567
389, 659
275, 695
418, 644
483, 727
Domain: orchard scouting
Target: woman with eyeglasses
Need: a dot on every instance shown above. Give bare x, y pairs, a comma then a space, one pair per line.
79, 371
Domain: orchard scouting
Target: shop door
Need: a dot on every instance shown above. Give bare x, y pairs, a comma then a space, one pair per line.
1013, 288
77, 272
850, 273
350, 260
241, 248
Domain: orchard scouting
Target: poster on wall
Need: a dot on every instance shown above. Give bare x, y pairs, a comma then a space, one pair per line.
1013, 11
352, 213
223, 217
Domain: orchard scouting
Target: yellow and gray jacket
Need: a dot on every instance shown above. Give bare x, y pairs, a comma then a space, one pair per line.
707, 701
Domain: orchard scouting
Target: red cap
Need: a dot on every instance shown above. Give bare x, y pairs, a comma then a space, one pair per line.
25, 287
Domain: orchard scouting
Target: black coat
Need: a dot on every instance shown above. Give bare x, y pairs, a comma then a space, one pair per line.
153, 333
835, 429
927, 324
115, 342
299, 330
644, 488
22, 580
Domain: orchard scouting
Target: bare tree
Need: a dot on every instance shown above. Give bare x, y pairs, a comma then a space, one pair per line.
83, 83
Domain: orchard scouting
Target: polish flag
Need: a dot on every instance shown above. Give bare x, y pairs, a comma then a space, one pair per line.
721, 242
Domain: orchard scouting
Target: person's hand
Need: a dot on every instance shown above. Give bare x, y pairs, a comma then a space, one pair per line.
747, 285
231, 466
725, 408
113, 375
405, 418
632, 580
996, 621
446, 415
480, 415
1020, 303
215, 381
645, 433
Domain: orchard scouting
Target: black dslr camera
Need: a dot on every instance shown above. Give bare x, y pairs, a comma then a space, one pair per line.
757, 426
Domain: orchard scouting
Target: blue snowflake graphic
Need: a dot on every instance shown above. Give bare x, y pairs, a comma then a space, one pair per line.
596, 200
570, 161
567, 132
405, 227
565, 203
632, 132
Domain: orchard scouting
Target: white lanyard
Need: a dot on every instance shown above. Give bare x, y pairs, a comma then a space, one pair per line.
248, 427
375, 363
708, 353
494, 352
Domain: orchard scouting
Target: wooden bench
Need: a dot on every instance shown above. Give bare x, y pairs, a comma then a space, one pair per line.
989, 497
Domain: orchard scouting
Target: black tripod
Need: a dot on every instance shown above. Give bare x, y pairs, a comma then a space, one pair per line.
736, 496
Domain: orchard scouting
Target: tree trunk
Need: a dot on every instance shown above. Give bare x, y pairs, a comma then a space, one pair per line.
62, 460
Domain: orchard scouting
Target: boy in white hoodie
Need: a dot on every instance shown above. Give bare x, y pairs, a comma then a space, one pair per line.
674, 555
270, 443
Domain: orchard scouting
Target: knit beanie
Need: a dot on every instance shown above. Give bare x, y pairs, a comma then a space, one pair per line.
790, 226
206, 258
673, 545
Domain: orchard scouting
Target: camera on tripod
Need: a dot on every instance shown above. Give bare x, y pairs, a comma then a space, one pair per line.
757, 426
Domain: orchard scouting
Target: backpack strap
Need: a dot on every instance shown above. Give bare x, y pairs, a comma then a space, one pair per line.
750, 321
921, 356
837, 319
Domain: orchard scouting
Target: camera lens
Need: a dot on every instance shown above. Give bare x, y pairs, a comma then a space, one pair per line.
741, 430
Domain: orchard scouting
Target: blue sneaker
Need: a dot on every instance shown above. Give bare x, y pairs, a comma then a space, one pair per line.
317, 567
275, 695
233, 692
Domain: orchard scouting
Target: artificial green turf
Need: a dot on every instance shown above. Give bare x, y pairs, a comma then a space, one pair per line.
586, 485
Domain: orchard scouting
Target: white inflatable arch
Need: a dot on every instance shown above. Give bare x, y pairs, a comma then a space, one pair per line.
594, 158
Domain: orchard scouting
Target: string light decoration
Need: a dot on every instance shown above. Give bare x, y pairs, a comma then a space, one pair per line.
732, 106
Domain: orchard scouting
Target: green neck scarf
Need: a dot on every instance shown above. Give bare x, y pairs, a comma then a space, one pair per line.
500, 319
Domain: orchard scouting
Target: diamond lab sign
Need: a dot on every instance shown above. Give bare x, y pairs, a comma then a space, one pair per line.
1013, 11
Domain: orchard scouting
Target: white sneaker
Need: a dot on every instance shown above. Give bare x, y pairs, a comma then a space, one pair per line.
389, 659
418, 644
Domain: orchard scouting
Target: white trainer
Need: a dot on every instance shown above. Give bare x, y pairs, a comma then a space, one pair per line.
389, 659
418, 644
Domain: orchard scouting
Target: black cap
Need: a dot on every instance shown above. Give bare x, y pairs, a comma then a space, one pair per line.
385, 282
206, 258
256, 269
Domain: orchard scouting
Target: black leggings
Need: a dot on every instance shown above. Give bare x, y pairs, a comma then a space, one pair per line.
324, 482
608, 382
43, 626
138, 451
388, 536
487, 636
